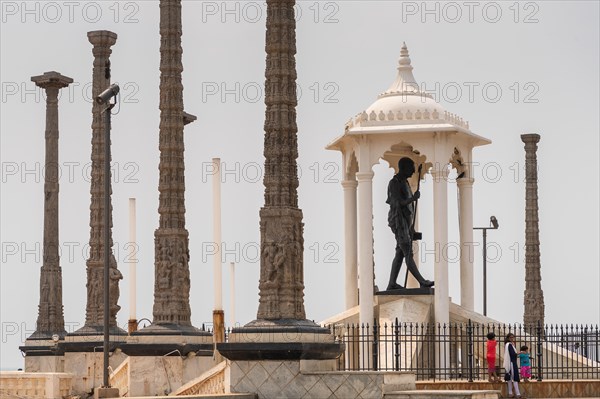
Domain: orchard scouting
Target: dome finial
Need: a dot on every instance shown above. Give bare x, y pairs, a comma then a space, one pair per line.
404, 61
405, 83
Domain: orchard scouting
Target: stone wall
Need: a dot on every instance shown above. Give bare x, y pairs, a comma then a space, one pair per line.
277, 379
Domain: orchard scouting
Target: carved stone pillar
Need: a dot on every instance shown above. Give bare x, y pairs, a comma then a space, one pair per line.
171, 253
534, 296
282, 246
171, 245
281, 329
171, 330
51, 319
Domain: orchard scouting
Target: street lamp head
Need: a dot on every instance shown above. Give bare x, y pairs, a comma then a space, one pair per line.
494, 222
107, 94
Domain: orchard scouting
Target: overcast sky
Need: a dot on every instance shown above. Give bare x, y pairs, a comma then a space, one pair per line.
508, 68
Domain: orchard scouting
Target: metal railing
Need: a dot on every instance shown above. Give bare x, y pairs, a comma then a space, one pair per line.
457, 351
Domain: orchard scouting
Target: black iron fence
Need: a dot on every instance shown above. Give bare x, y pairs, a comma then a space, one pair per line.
457, 351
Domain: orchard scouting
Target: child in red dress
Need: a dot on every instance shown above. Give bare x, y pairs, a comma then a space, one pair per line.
491, 357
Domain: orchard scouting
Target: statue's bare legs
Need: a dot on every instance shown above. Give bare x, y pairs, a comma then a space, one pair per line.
412, 268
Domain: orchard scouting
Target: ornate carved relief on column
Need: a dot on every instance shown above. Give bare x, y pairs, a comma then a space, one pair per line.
50, 312
102, 42
282, 245
533, 296
281, 330
171, 243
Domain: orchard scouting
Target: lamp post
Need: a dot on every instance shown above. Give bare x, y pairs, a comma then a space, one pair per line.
103, 99
494, 226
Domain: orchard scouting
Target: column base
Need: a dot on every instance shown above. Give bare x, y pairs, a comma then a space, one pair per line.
408, 291
47, 335
106, 393
169, 340
43, 344
284, 339
91, 339
96, 330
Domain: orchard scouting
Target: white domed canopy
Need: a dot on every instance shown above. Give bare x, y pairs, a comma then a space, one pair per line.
404, 97
405, 107
406, 122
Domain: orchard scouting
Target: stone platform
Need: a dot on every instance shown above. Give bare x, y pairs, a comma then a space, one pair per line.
431, 394
219, 396
530, 390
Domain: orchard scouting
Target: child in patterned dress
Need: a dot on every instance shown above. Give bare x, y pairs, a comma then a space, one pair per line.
525, 362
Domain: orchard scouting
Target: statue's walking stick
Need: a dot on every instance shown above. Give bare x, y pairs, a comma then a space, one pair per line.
412, 227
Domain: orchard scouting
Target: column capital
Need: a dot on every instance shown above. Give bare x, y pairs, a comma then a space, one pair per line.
465, 182
530, 138
439, 175
102, 38
364, 176
51, 80
348, 184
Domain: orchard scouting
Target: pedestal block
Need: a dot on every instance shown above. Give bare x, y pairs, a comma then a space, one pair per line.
106, 393
164, 357
43, 355
84, 359
162, 375
87, 368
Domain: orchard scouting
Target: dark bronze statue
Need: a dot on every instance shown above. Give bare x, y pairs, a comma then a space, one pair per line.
401, 220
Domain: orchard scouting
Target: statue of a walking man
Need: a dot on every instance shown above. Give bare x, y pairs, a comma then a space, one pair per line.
401, 221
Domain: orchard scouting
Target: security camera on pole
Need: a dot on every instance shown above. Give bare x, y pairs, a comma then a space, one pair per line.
103, 99
494, 223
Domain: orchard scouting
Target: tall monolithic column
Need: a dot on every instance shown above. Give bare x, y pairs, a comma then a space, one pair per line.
282, 245
171, 251
281, 331
171, 330
94, 320
41, 349
51, 319
534, 296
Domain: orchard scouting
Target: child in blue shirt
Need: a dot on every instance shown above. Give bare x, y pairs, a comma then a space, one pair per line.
525, 362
